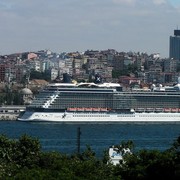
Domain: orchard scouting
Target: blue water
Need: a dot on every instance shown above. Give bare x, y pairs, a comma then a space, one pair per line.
63, 137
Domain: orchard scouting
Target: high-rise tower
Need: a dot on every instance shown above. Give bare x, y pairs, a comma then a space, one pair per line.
174, 48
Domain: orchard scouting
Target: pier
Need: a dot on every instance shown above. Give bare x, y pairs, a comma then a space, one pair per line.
11, 112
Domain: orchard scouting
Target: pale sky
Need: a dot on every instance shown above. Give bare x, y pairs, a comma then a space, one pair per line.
78, 25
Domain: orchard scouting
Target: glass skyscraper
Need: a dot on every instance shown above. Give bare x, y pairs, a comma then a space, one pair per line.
174, 48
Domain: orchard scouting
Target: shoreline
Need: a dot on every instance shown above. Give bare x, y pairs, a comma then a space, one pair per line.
8, 117
10, 112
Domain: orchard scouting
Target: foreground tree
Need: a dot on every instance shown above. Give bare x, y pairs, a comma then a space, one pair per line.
17, 154
23, 159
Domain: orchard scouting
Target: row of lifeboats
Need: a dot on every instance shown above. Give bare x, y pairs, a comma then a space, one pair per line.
88, 109
166, 110
171, 110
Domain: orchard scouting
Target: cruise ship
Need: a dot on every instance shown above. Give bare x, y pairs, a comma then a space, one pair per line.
106, 103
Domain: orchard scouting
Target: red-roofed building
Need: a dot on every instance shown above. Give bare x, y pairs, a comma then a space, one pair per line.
32, 56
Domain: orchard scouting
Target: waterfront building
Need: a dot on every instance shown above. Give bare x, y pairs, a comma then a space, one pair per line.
53, 74
174, 49
170, 65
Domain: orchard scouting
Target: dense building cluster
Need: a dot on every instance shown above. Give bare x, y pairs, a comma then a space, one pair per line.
124, 67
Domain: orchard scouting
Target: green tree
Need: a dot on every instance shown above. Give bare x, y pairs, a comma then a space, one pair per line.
16, 154
127, 70
7, 152
23, 159
87, 166
28, 151
40, 75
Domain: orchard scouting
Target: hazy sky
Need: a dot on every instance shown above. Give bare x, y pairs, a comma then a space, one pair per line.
78, 25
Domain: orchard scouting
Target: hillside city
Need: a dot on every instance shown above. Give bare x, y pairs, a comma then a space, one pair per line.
28, 72
127, 68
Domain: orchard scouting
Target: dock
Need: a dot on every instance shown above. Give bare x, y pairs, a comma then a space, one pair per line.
11, 112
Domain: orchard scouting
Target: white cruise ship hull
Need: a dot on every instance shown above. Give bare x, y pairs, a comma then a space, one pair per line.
99, 117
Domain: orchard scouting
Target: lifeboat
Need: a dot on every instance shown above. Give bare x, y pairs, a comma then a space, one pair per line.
149, 110
103, 109
167, 110
177, 109
174, 110
96, 109
87, 109
80, 109
71, 109
159, 109
140, 109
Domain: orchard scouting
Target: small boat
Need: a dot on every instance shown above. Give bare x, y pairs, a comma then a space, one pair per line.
116, 155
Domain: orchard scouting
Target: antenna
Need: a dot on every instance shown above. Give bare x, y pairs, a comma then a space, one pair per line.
78, 139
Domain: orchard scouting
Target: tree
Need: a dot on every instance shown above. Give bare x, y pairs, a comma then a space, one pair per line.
40, 75
16, 154
27, 151
23, 159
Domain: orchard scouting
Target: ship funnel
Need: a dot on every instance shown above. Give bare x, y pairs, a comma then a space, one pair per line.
98, 79
66, 78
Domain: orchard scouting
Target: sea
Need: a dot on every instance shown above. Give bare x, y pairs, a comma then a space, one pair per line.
64, 138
